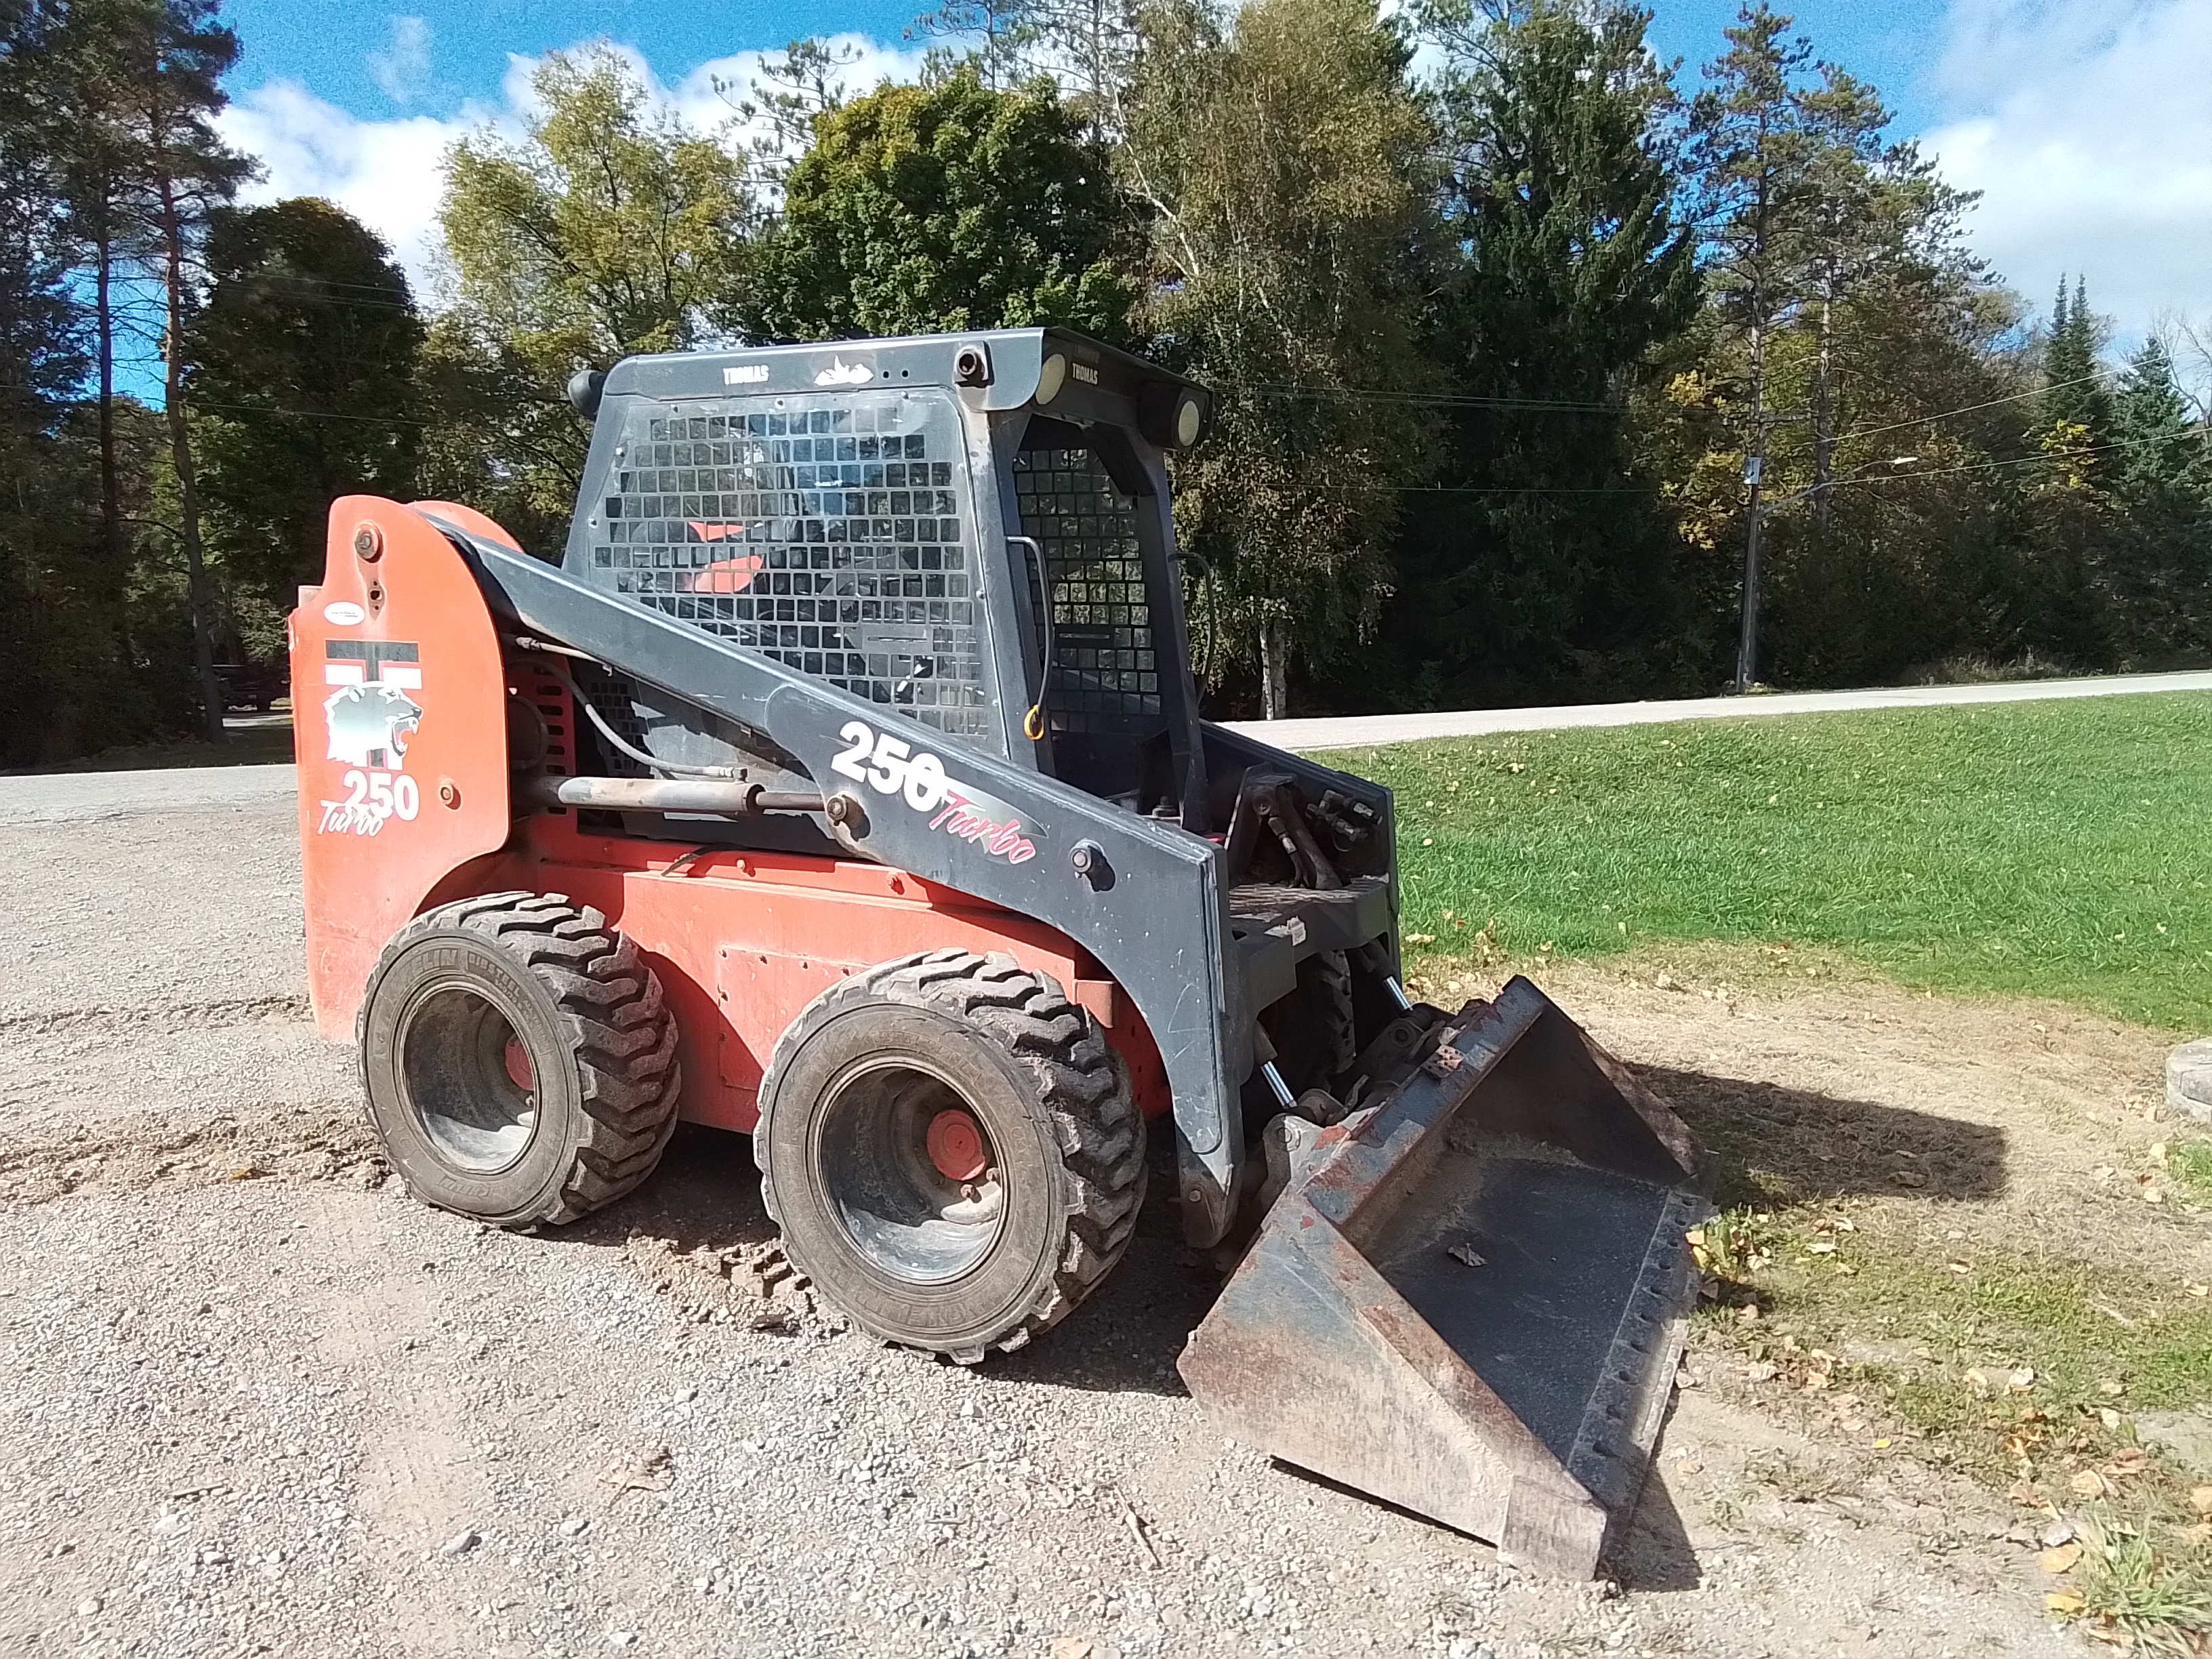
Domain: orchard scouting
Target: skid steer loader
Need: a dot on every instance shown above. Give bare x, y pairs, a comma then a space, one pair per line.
844, 783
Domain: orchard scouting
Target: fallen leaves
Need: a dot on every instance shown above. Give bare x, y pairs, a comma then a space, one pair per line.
2064, 1603
2060, 1559
2200, 1499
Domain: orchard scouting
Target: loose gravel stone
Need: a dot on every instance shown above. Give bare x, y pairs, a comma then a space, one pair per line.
248, 1393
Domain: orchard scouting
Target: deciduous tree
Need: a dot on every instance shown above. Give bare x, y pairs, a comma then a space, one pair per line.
1285, 161
945, 206
609, 228
303, 383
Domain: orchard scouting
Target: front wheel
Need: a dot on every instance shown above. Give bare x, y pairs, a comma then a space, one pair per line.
951, 1150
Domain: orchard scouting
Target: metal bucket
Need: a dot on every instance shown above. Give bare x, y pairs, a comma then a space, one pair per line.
1470, 1300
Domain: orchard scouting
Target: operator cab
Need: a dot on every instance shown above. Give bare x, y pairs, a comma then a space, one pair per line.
971, 531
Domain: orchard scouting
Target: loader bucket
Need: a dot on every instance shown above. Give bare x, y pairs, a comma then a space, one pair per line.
1471, 1304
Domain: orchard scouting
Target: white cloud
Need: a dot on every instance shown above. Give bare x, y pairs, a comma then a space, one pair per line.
2088, 130
403, 69
389, 174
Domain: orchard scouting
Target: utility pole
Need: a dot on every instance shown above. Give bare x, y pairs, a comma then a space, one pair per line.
1754, 470
1746, 650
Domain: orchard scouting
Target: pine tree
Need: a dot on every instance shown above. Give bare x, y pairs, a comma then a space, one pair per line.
2076, 396
2157, 446
1545, 568
1749, 157
2161, 556
174, 67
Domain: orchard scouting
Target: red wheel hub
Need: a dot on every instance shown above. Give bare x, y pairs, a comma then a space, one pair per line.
956, 1146
519, 1071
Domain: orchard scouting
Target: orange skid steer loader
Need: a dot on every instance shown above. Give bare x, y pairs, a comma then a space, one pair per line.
843, 784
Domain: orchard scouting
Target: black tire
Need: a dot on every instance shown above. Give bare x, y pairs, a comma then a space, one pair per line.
462, 988
848, 1108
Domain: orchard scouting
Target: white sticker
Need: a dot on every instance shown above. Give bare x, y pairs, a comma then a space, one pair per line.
746, 374
344, 613
372, 799
840, 372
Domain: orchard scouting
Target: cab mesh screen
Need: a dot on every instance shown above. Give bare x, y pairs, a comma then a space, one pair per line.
830, 535
1105, 677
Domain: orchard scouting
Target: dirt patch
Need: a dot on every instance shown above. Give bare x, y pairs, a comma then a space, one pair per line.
2026, 1126
1955, 1236
748, 1284
133, 1154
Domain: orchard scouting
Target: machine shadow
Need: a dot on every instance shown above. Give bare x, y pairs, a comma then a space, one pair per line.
1654, 1552
1772, 1144
704, 1195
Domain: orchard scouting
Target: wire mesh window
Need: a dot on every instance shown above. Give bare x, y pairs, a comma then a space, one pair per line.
1105, 673
828, 533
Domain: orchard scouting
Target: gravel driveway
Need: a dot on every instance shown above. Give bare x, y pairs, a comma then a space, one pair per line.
256, 1401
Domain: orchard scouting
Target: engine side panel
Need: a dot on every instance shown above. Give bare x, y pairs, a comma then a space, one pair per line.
399, 726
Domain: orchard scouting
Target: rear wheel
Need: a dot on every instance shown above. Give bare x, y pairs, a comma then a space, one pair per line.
951, 1150
518, 1059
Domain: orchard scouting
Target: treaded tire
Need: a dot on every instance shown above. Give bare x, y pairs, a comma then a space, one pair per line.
586, 1122
1052, 1098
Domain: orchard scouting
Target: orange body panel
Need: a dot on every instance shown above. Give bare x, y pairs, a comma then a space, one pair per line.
742, 940
399, 727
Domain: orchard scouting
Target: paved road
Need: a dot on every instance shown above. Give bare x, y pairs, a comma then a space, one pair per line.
75, 797
1349, 730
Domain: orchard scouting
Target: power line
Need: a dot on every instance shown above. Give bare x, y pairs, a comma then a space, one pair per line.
2012, 397
1440, 400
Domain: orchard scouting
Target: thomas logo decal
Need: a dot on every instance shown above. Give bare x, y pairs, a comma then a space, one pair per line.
370, 719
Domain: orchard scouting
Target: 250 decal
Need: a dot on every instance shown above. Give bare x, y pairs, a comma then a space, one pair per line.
889, 766
372, 799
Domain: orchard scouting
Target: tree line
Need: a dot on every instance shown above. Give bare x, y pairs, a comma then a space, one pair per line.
1524, 341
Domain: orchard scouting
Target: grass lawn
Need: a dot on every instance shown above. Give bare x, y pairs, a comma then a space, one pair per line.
2055, 849
2059, 849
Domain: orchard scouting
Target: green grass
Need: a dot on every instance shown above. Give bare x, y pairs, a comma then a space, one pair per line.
2059, 849
2189, 1164
2012, 1370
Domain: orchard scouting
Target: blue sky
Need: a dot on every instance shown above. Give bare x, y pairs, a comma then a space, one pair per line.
2086, 124
467, 45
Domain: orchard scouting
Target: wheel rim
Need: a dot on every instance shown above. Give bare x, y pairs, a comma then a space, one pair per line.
468, 1077
908, 1170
